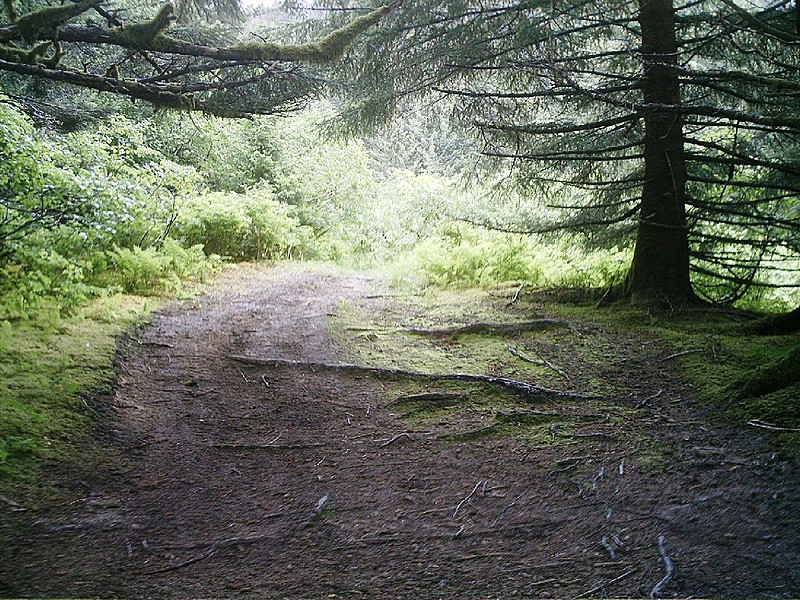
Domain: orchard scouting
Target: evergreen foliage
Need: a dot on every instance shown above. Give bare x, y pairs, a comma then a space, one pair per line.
557, 95
181, 68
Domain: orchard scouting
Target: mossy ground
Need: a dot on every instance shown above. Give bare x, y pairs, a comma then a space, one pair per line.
566, 358
594, 354
50, 367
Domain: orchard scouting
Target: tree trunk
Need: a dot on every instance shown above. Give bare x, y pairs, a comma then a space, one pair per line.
660, 269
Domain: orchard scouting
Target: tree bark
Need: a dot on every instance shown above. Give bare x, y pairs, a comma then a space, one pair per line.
660, 268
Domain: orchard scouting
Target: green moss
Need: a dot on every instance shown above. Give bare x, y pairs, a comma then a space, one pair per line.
771, 377
780, 407
44, 20
144, 35
13, 54
741, 375
649, 453
327, 49
47, 370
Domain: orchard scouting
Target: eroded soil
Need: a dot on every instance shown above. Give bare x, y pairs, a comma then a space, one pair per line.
227, 479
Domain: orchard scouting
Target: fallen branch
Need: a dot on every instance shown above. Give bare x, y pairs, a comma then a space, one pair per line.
770, 426
487, 327
467, 498
210, 552
669, 569
510, 384
515, 299
267, 446
605, 584
399, 436
185, 563
541, 361
684, 353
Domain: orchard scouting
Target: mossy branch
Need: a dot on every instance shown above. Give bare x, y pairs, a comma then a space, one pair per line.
328, 49
48, 25
11, 10
45, 20
150, 35
758, 24
144, 35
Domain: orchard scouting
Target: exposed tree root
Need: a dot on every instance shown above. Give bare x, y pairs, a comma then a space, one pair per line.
669, 569
267, 446
519, 387
432, 397
770, 377
488, 327
777, 325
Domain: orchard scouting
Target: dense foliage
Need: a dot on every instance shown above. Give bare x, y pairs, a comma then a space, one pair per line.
671, 124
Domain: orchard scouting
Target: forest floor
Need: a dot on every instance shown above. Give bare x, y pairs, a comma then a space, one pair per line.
213, 475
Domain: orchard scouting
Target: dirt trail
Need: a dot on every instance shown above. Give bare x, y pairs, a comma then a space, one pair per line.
233, 480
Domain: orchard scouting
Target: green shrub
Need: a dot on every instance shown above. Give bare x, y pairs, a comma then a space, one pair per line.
148, 271
251, 226
465, 258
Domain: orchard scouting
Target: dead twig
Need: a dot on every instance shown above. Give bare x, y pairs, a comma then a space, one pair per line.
468, 496
518, 414
210, 552
204, 393
484, 555
399, 436
520, 355
651, 397
669, 569
541, 361
770, 426
514, 385
515, 299
320, 505
609, 548
605, 584
684, 353
15, 506
267, 446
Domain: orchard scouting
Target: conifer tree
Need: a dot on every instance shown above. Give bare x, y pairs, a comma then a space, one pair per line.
673, 122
